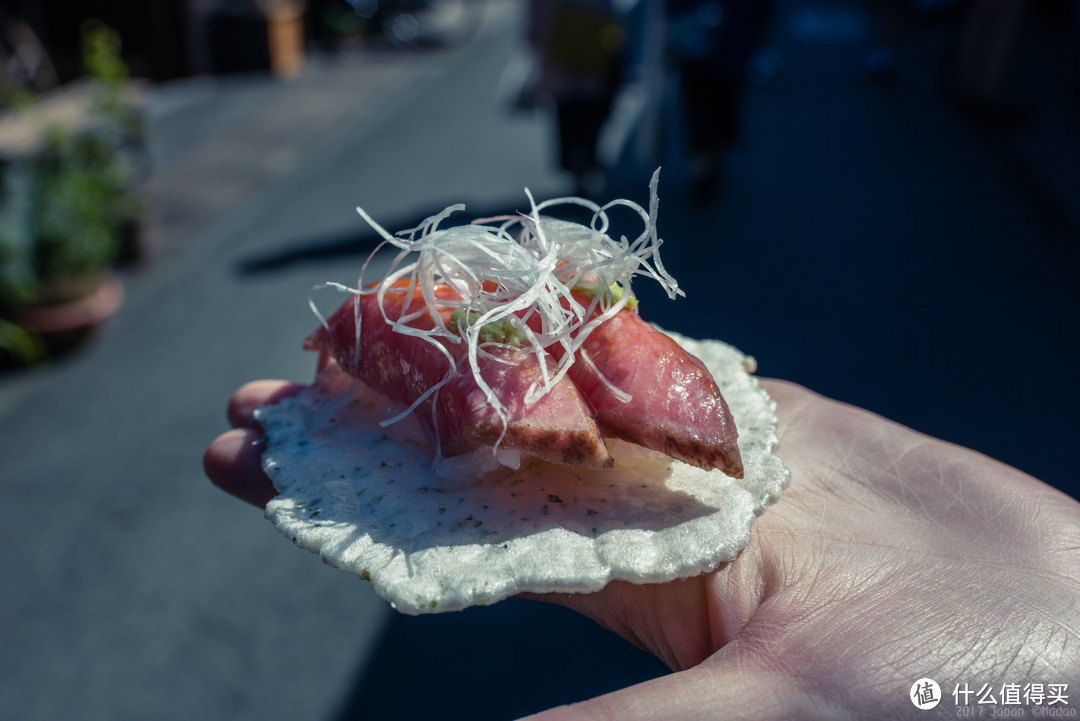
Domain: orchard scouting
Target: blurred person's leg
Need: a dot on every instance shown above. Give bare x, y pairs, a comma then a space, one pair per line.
711, 109
579, 122
890, 20
986, 44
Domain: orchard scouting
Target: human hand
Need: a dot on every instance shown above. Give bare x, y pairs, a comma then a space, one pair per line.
234, 459
892, 557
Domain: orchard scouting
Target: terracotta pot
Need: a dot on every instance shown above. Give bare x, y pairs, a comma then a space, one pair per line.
63, 327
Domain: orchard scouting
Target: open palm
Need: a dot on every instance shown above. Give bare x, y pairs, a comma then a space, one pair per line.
892, 557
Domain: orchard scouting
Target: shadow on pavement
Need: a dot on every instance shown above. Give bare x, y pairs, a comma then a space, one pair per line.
501, 662
360, 244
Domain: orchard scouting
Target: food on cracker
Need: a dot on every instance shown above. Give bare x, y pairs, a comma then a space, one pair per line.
520, 337
372, 506
494, 416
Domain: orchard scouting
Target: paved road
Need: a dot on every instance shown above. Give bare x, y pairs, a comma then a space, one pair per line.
870, 246
137, 590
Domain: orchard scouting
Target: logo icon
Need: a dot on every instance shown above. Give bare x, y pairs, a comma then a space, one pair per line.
925, 694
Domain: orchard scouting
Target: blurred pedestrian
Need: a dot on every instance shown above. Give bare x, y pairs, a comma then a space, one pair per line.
577, 47
711, 44
985, 48
889, 22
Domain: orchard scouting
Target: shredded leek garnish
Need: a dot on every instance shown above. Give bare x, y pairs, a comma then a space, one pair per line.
515, 276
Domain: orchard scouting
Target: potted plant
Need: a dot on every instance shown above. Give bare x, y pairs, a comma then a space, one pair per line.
64, 210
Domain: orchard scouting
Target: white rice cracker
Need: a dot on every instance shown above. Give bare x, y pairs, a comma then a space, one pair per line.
372, 506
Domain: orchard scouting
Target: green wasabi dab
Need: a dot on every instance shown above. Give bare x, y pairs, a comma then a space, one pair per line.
615, 291
502, 331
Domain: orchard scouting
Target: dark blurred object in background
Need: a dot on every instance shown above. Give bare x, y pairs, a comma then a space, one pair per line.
393, 24
711, 44
577, 50
155, 32
257, 35
169, 39
889, 20
983, 66
892, 21
25, 64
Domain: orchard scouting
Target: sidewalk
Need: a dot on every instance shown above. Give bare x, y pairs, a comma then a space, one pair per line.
217, 142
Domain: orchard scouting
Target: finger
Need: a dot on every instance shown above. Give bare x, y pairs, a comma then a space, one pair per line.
233, 462
252, 395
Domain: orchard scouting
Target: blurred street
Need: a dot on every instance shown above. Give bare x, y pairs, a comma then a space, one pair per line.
871, 243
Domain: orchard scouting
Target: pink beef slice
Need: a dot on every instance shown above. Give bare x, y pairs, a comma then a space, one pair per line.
559, 427
675, 406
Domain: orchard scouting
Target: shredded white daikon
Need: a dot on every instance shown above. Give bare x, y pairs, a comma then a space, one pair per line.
520, 271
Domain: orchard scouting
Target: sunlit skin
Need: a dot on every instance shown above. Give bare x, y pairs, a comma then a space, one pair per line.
892, 556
